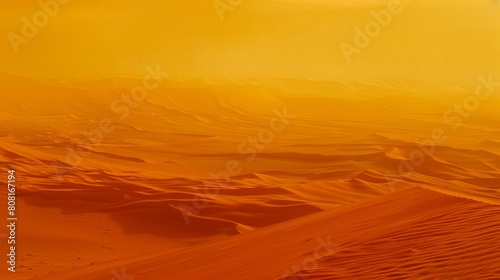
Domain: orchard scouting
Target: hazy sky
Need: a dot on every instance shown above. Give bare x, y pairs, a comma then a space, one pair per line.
451, 41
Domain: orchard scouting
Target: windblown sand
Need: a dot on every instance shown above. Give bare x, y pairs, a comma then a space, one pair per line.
140, 202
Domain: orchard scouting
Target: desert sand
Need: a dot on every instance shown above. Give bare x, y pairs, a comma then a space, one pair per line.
255, 139
322, 200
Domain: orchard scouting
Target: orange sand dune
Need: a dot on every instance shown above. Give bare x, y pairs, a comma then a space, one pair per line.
413, 234
151, 181
263, 139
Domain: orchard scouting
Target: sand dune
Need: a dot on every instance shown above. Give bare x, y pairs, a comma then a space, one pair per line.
263, 139
94, 204
413, 234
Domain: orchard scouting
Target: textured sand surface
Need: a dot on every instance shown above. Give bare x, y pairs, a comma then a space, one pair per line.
142, 198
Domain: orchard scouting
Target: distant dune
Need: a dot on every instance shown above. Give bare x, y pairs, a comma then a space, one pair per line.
105, 184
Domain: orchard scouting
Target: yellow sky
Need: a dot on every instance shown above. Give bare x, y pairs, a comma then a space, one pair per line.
448, 42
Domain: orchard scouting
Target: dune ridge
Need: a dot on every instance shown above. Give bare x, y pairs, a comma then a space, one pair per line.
412, 234
131, 185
